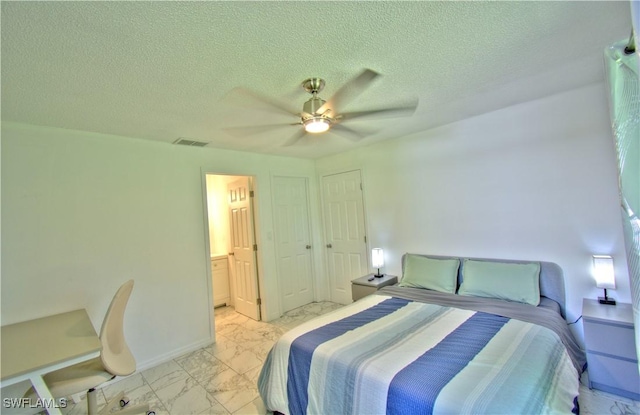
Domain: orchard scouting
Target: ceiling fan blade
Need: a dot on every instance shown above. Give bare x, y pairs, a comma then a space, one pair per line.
248, 130
295, 138
383, 112
266, 102
346, 132
349, 91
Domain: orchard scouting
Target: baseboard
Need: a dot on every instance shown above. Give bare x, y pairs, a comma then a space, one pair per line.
172, 355
165, 358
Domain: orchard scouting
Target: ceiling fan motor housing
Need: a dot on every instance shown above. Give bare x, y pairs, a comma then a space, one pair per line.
312, 106
313, 121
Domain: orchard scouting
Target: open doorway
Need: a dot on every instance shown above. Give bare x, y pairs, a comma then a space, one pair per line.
232, 236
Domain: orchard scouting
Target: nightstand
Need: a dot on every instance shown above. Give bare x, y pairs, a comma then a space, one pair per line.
361, 287
611, 348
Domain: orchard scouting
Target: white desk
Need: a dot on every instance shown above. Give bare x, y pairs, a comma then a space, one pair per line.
34, 348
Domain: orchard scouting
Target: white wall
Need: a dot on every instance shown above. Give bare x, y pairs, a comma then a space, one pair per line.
84, 212
534, 181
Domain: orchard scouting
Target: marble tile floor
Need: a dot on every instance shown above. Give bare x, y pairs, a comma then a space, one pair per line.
221, 378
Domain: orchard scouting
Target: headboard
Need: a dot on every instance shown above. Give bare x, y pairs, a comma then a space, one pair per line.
551, 277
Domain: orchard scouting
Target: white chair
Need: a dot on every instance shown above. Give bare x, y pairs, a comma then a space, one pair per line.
115, 360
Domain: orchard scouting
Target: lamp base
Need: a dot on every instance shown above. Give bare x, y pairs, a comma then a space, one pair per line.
607, 300
378, 275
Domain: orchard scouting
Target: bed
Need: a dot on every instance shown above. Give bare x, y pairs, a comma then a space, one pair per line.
456, 335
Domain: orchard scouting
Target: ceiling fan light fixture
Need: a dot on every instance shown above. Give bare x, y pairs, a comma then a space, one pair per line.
316, 125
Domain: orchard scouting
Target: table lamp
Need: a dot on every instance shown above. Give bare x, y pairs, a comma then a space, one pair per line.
605, 277
377, 260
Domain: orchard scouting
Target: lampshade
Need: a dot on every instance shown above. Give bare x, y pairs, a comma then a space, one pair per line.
377, 258
316, 125
603, 271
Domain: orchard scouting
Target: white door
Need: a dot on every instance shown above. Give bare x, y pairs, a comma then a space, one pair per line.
343, 209
242, 240
293, 241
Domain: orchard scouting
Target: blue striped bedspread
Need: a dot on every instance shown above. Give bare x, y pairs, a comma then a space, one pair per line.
390, 355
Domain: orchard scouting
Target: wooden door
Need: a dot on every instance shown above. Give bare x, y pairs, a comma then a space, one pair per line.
243, 248
344, 226
293, 241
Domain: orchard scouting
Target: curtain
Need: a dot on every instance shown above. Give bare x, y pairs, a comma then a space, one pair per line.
624, 93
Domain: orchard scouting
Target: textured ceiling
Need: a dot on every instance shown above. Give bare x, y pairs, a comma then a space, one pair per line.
163, 70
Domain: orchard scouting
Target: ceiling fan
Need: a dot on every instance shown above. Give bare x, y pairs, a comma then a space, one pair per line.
320, 116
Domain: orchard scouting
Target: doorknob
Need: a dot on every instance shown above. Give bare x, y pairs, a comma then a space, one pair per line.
329, 246
308, 247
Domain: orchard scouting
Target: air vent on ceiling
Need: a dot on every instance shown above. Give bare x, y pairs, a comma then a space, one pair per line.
186, 142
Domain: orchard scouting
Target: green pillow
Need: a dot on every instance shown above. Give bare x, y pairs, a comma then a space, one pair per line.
430, 273
511, 282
